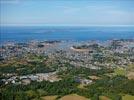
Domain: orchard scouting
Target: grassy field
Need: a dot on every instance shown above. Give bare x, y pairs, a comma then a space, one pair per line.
49, 98
73, 97
67, 97
104, 98
130, 72
128, 97
130, 67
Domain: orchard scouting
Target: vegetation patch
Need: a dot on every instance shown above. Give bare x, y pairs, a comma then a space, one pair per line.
81, 86
120, 71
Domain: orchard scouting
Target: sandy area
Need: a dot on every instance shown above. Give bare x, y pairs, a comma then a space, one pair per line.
130, 75
79, 50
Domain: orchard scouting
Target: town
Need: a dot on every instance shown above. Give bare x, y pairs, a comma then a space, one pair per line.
84, 62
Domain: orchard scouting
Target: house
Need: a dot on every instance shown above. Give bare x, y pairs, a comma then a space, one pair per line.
83, 81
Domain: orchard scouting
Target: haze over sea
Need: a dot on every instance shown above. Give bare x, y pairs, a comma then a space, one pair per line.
77, 33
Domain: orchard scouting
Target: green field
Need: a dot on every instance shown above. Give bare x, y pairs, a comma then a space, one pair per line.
128, 97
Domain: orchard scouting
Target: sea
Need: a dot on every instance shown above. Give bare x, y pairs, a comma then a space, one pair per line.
66, 33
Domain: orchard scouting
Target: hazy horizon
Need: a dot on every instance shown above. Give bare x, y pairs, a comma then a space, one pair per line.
67, 13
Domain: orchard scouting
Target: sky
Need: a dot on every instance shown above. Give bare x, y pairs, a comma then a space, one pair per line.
67, 12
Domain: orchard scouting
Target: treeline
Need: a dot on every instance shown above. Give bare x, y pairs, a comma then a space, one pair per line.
26, 69
93, 46
36, 64
85, 72
38, 89
110, 87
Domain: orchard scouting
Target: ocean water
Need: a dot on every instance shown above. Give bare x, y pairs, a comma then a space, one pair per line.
22, 34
